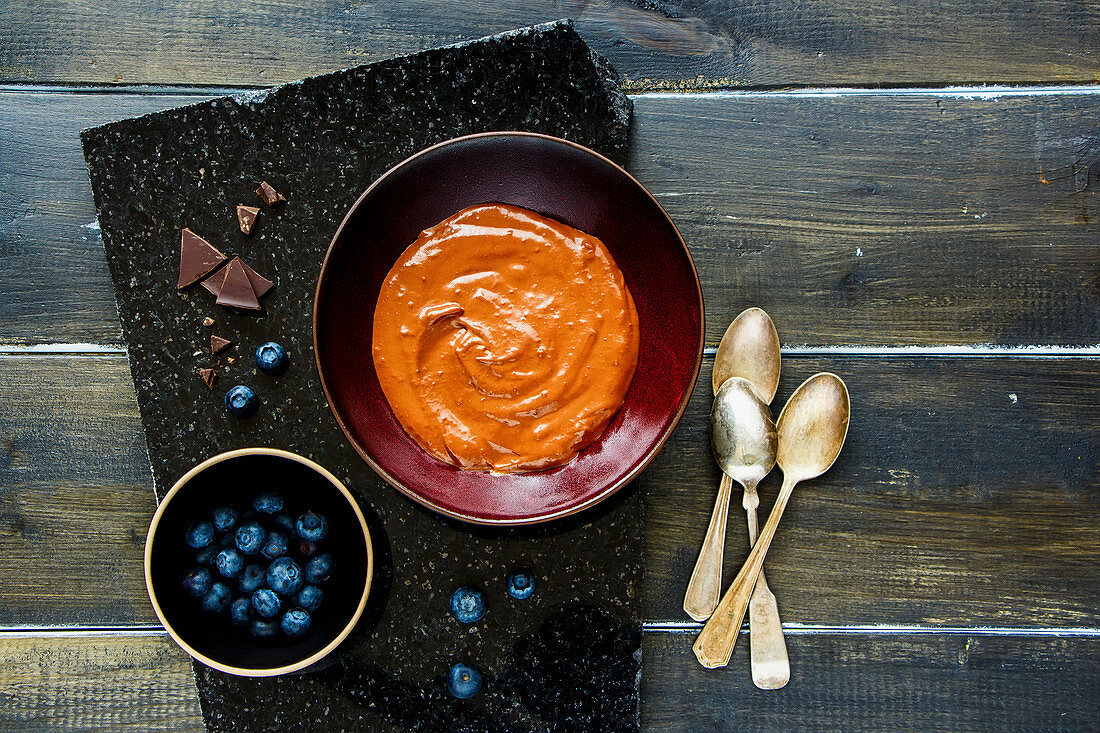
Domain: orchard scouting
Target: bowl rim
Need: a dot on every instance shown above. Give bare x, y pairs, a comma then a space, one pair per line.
616, 485
266, 671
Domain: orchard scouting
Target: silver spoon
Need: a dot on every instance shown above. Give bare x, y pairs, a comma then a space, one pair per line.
812, 429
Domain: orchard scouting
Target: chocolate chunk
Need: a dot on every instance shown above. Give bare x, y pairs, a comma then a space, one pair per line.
260, 284
213, 284
209, 377
236, 290
198, 258
269, 195
217, 343
208, 321
246, 217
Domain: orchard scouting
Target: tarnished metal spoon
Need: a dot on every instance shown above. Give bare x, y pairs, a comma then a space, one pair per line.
811, 431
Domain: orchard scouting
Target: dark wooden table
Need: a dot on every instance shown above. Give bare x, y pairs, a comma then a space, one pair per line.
843, 165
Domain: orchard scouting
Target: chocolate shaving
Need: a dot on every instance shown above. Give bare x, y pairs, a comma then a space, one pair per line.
198, 258
246, 217
208, 321
217, 344
209, 377
236, 290
269, 195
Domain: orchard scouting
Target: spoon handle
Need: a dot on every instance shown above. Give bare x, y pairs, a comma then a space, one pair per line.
771, 668
706, 579
714, 646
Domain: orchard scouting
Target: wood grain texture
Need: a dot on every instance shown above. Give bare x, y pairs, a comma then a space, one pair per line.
683, 45
967, 494
128, 682
75, 493
876, 682
951, 505
878, 220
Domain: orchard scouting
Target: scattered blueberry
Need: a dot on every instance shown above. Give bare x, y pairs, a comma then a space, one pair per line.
520, 584
463, 681
206, 555
241, 401
312, 527
216, 599
197, 582
284, 576
224, 518
307, 548
238, 612
275, 546
310, 597
229, 562
285, 523
295, 622
266, 603
467, 604
199, 534
318, 568
264, 629
271, 358
252, 578
250, 538
268, 503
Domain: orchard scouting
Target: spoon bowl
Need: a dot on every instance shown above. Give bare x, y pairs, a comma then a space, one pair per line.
742, 434
749, 349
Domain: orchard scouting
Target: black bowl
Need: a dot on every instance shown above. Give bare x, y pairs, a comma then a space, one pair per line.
235, 478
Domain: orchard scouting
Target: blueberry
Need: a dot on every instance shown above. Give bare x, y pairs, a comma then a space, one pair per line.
312, 527
307, 548
284, 576
285, 523
250, 538
463, 681
224, 518
264, 629
275, 546
271, 358
295, 622
267, 503
206, 555
520, 584
238, 612
468, 604
310, 597
241, 401
229, 562
199, 534
197, 582
318, 568
252, 578
216, 599
266, 603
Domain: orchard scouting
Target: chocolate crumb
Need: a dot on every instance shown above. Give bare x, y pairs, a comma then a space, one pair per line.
209, 377
246, 217
269, 195
208, 321
231, 359
218, 344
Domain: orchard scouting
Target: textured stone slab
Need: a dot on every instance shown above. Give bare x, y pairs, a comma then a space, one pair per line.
566, 659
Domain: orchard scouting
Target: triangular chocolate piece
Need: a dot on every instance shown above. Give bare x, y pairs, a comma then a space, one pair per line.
198, 258
236, 289
213, 284
209, 377
261, 286
217, 343
269, 195
246, 217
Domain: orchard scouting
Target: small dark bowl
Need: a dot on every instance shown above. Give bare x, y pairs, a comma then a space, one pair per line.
235, 478
555, 178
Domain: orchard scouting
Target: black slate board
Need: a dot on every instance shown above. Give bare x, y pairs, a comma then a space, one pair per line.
566, 659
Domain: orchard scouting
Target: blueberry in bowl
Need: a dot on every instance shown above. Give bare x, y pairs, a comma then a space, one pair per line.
228, 577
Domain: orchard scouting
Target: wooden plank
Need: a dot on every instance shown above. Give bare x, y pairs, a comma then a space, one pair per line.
952, 504
967, 494
878, 220
878, 682
692, 45
59, 682
76, 494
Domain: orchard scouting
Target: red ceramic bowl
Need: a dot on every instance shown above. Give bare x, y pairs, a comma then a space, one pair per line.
555, 178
